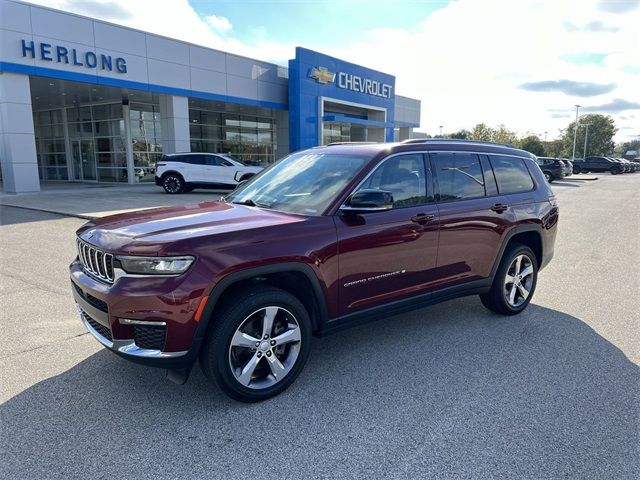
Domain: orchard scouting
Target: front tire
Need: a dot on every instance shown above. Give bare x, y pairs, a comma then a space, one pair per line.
548, 177
258, 345
576, 170
514, 283
173, 183
615, 171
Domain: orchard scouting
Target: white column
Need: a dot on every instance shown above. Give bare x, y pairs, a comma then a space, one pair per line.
174, 121
17, 137
128, 142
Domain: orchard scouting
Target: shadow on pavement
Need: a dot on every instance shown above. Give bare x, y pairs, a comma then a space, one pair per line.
449, 391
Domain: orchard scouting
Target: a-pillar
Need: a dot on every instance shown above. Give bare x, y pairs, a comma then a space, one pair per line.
18, 157
174, 121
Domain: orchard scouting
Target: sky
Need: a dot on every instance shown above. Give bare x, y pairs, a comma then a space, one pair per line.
524, 64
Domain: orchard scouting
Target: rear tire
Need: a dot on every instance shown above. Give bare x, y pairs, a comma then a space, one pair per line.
173, 183
258, 344
517, 274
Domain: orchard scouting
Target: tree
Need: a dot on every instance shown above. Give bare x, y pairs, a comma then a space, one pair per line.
503, 135
602, 129
553, 148
533, 145
482, 132
461, 135
623, 148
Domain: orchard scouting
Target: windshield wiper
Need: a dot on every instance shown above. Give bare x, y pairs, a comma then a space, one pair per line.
251, 203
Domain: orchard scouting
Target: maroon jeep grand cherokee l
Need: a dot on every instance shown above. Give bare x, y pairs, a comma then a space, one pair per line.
324, 238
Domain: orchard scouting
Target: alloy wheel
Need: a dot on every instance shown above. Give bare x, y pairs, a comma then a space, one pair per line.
265, 347
172, 184
518, 281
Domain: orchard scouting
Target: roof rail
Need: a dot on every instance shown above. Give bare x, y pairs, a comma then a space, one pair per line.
349, 143
455, 140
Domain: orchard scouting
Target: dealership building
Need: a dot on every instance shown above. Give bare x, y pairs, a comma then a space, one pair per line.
89, 101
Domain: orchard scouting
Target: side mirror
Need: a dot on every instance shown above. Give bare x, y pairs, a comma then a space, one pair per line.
367, 201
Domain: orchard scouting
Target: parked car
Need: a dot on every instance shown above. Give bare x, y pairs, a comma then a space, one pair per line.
568, 164
631, 167
182, 172
552, 168
597, 164
325, 238
623, 166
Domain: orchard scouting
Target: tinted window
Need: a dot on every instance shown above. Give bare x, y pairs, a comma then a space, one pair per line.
191, 159
459, 175
215, 161
511, 174
490, 185
404, 176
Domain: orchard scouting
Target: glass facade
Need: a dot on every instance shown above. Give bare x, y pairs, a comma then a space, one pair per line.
50, 145
88, 142
146, 138
249, 138
335, 132
97, 138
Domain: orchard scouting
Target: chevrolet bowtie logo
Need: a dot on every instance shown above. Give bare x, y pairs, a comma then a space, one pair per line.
322, 75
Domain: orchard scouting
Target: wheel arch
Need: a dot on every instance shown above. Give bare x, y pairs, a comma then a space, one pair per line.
169, 172
528, 235
296, 278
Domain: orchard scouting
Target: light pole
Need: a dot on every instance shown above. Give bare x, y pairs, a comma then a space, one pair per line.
575, 133
545, 136
586, 135
440, 131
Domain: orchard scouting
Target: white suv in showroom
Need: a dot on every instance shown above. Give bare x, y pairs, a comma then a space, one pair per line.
182, 172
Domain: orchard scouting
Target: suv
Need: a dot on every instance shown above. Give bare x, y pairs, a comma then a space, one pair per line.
596, 164
325, 238
182, 172
552, 168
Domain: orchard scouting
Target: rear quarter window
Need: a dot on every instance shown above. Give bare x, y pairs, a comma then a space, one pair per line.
511, 174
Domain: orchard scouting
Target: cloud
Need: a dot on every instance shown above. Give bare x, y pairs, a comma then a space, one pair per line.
569, 87
486, 87
594, 26
618, 6
615, 106
560, 115
219, 23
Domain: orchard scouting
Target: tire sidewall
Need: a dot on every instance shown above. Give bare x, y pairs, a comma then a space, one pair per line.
217, 353
502, 271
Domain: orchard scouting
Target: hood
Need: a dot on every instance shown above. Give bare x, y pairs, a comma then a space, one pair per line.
151, 231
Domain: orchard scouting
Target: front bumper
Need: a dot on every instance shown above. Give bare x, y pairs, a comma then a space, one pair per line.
146, 320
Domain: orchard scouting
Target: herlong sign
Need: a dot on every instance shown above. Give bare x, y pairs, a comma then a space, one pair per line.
71, 56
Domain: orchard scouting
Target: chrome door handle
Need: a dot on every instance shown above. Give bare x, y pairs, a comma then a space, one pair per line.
499, 207
422, 218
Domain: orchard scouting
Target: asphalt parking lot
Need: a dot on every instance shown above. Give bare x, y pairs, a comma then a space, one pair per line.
449, 391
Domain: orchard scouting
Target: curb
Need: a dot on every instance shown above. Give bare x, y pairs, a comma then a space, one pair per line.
62, 214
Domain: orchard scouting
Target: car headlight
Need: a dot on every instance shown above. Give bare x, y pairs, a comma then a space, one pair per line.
155, 265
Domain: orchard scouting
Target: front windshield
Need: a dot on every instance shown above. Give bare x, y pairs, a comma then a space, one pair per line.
304, 183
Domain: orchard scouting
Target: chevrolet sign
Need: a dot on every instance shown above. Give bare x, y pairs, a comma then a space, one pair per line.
351, 82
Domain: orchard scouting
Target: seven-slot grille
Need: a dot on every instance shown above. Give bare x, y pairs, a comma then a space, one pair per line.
96, 262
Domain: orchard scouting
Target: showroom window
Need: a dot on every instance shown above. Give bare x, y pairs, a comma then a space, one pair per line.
146, 137
249, 138
50, 145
